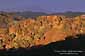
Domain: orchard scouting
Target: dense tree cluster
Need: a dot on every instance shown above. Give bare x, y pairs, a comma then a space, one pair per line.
39, 31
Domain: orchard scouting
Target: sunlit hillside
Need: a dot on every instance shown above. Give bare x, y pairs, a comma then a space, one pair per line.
19, 31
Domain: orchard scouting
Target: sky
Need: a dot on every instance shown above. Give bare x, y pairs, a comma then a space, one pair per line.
49, 6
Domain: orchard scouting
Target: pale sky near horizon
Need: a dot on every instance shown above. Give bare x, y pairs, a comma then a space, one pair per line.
43, 5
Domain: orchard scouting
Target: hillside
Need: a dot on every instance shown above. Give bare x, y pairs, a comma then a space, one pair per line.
52, 49
41, 30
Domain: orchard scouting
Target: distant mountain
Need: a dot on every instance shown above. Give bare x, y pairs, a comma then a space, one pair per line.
30, 14
69, 13
35, 14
